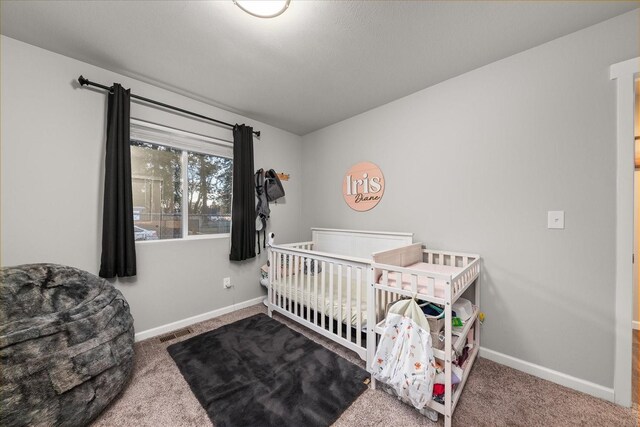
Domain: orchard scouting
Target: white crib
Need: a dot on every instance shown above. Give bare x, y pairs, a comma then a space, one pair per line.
343, 259
351, 277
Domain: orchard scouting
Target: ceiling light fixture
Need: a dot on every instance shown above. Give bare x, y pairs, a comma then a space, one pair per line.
263, 8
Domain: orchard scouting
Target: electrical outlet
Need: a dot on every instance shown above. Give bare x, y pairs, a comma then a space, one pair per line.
226, 282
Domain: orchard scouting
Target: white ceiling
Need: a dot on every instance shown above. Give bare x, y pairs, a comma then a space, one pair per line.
318, 63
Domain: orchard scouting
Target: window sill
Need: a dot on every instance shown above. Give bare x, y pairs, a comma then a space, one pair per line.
183, 239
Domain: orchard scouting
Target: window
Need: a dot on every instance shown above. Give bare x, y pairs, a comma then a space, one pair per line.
167, 164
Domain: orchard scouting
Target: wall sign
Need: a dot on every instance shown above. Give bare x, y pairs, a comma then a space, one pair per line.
363, 186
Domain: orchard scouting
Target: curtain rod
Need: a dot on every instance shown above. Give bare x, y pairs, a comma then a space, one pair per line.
85, 82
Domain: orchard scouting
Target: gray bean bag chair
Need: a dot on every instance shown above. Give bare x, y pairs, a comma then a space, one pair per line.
66, 345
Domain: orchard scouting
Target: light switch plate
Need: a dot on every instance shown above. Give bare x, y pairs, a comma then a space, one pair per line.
555, 219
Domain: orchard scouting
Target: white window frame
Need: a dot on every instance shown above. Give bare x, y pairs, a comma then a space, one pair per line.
186, 142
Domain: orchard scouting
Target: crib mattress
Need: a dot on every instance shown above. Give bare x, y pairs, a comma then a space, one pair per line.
423, 281
305, 295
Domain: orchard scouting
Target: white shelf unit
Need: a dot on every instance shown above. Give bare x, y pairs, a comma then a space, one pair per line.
462, 332
452, 274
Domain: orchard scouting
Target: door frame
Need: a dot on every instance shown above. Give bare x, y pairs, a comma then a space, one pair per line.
624, 74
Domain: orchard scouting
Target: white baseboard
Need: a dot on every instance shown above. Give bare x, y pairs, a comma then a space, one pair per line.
160, 330
636, 324
549, 374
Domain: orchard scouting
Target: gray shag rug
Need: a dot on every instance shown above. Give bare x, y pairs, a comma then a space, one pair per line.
66, 345
495, 395
259, 372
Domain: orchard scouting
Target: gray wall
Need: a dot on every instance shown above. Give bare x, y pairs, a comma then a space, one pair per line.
474, 163
52, 169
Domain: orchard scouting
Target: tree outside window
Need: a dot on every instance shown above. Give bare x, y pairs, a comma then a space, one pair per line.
159, 181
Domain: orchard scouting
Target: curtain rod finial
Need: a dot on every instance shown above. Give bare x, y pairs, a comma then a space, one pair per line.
83, 81
257, 133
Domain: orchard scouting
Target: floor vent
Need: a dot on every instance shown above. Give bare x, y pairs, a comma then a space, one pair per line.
176, 334
182, 332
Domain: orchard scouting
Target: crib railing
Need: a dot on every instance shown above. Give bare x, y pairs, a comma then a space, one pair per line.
324, 292
300, 245
461, 281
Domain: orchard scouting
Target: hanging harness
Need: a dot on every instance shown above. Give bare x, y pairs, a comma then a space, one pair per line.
268, 189
262, 208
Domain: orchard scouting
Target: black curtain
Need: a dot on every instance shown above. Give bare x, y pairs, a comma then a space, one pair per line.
243, 210
118, 246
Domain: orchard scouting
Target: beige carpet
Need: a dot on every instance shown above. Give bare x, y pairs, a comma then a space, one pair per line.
494, 395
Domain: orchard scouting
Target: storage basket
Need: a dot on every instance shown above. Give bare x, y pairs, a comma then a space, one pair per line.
436, 342
436, 323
